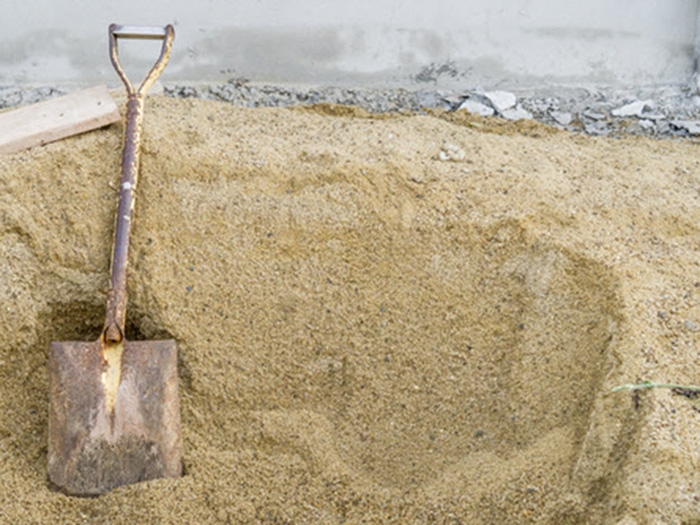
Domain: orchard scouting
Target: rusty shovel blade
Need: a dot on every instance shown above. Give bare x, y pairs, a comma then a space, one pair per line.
99, 441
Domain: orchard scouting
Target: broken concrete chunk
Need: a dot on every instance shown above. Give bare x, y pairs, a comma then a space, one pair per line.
633, 109
562, 117
595, 115
518, 113
596, 127
476, 108
690, 126
501, 100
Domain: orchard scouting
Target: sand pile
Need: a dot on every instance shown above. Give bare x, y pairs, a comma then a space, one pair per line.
395, 319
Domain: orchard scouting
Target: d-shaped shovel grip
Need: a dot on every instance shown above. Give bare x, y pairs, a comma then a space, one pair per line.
167, 34
115, 321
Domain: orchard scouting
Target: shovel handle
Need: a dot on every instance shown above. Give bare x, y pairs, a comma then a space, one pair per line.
115, 321
167, 34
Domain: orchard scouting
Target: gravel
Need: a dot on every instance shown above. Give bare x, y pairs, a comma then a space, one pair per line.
659, 111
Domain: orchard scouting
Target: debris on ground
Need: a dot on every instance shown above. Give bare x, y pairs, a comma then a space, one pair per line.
659, 111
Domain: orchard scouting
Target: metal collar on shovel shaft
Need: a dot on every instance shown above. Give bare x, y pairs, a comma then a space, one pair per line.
114, 412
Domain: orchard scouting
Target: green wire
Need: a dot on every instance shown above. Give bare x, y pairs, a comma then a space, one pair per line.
649, 384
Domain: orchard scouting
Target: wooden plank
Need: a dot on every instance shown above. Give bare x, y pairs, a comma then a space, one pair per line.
57, 118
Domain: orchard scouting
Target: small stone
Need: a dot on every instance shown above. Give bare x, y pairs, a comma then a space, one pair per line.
690, 126
451, 152
594, 115
156, 89
476, 108
427, 99
690, 325
451, 100
562, 117
646, 124
518, 113
633, 109
595, 127
501, 100
663, 127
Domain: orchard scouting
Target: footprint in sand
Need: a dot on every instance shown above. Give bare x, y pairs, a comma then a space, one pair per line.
470, 348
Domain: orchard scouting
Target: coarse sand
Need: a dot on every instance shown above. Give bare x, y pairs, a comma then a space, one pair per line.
379, 319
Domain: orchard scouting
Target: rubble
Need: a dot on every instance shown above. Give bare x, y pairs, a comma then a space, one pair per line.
660, 111
516, 113
561, 117
690, 126
476, 108
501, 100
596, 128
633, 108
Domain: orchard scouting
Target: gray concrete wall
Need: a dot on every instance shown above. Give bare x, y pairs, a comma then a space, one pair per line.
444, 43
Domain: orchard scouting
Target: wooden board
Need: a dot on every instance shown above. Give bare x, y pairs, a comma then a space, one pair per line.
57, 118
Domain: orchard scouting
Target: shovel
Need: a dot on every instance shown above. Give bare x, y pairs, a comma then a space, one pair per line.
114, 413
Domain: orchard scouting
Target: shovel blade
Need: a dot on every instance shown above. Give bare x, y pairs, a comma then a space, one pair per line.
93, 447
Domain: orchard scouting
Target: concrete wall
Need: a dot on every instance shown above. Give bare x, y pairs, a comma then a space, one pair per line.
444, 43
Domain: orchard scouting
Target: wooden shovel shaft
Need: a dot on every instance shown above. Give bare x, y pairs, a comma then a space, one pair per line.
116, 302
115, 319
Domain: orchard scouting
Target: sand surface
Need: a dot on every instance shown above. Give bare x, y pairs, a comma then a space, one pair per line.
407, 319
